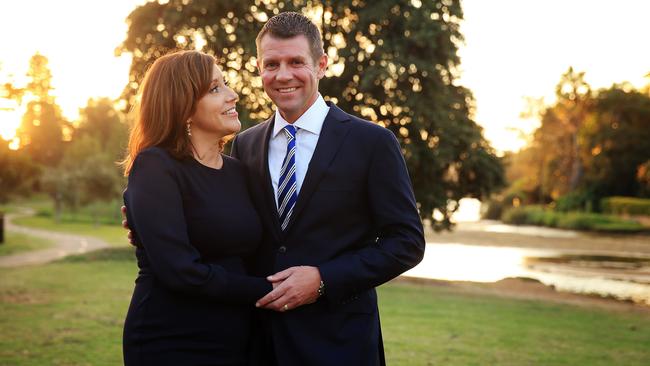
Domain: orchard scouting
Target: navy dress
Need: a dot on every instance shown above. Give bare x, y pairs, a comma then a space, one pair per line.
195, 226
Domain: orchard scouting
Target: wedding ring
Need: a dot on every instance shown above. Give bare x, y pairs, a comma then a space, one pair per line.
285, 307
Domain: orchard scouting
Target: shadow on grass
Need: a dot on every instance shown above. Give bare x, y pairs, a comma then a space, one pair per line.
102, 255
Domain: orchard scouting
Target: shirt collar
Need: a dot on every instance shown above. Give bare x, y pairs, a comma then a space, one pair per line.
311, 121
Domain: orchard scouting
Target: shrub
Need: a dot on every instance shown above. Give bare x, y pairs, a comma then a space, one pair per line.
626, 206
492, 210
536, 215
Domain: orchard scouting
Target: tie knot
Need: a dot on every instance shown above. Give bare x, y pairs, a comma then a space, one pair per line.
290, 130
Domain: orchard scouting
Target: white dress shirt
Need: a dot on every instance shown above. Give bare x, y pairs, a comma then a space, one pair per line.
309, 126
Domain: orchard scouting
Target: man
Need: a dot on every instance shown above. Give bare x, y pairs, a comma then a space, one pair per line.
337, 205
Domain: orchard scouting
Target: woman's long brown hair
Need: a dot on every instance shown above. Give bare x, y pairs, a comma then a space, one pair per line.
166, 100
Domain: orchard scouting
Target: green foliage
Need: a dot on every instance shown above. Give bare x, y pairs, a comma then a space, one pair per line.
617, 141
643, 178
397, 70
590, 145
626, 206
492, 209
17, 173
536, 215
98, 212
102, 122
579, 200
87, 173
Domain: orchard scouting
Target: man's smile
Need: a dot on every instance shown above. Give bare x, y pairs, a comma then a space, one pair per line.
287, 90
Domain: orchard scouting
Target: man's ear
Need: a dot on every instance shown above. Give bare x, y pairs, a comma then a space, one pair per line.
259, 66
322, 66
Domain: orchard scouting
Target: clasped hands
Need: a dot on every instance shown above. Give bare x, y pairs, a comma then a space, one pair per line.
293, 287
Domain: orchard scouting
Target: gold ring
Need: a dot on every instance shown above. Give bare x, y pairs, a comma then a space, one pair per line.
285, 307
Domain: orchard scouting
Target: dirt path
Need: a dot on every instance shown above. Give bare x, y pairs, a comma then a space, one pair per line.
62, 244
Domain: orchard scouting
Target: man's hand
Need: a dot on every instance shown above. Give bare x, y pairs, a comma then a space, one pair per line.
292, 287
125, 225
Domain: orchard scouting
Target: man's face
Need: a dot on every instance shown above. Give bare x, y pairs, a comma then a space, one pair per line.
289, 74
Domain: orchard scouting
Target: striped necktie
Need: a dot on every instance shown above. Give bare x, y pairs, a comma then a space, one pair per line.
287, 188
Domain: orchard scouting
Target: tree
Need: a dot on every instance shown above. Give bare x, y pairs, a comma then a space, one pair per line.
589, 145
617, 141
17, 173
398, 71
101, 121
552, 164
85, 175
41, 130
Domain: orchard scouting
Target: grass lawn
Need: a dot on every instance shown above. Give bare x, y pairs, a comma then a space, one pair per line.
426, 325
113, 234
71, 313
16, 243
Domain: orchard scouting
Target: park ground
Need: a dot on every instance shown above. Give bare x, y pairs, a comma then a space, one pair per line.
71, 311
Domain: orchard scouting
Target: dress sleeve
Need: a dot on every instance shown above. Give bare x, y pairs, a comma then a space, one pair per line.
155, 213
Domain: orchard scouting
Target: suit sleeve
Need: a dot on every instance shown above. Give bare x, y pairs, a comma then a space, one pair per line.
155, 209
400, 239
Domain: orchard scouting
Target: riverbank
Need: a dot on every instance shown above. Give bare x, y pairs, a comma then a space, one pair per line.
494, 233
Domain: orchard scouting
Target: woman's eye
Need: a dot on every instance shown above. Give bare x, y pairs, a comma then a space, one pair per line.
214, 89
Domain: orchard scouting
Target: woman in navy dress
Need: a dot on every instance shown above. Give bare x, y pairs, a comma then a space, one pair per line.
192, 219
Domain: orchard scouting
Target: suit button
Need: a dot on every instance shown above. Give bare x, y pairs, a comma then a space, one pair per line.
282, 249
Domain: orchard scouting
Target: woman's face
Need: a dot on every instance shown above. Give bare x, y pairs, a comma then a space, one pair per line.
215, 112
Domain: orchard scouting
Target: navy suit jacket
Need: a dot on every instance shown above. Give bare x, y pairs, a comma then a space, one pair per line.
355, 219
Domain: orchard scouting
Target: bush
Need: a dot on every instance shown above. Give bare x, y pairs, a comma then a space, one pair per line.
492, 210
574, 201
536, 215
107, 213
626, 206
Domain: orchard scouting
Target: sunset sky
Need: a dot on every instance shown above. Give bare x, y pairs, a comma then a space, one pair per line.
513, 49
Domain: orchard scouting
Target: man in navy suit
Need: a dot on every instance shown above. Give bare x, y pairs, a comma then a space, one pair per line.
337, 205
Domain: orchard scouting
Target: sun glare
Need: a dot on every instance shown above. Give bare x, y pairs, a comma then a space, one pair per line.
80, 50
10, 115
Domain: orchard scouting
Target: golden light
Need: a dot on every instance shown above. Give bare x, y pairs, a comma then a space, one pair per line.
502, 61
458, 262
80, 51
10, 115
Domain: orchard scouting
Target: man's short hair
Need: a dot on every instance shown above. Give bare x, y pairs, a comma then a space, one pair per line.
291, 24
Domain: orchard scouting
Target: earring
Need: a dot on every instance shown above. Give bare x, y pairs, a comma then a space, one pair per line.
189, 128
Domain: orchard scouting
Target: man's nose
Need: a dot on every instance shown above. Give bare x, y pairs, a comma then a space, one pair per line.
284, 73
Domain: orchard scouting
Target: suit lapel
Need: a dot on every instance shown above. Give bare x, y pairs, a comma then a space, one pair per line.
262, 166
331, 137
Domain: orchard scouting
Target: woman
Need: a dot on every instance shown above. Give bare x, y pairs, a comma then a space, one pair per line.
189, 210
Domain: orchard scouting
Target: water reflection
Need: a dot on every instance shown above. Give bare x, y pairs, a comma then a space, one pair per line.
626, 278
